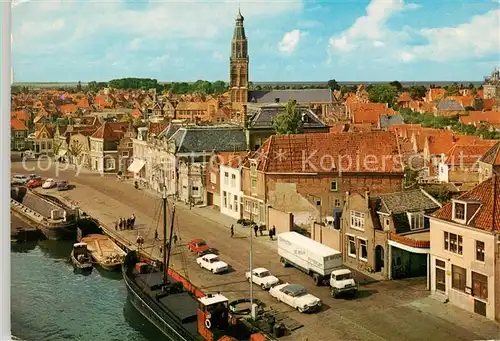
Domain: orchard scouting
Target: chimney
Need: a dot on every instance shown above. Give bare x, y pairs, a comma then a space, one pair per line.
276, 100
347, 198
367, 198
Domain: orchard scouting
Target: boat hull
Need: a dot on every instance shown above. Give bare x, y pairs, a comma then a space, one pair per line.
80, 266
144, 305
67, 232
115, 267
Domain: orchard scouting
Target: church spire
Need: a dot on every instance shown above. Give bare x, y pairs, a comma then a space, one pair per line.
239, 43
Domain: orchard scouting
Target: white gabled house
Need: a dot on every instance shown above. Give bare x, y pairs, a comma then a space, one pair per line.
231, 202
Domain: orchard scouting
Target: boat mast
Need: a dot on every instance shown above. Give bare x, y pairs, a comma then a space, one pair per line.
168, 247
165, 269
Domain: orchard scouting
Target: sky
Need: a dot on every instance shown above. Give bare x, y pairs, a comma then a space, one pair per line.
292, 40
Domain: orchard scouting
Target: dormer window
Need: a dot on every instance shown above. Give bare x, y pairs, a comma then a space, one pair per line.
459, 211
416, 220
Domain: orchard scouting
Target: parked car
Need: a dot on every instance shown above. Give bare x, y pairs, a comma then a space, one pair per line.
20, 179
34, 177
33, 183
49, 183
197, 245
210, 250
29, 155
212, 263
62, 185
263, 278
296, 296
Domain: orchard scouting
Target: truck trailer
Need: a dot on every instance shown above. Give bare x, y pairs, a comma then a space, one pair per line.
321, 262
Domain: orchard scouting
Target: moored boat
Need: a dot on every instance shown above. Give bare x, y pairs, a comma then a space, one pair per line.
104, 251
174, 305
80, 257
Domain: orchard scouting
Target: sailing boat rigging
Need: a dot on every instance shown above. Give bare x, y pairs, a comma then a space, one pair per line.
174, 305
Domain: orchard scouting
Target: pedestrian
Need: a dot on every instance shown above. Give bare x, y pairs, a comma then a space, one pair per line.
255, 229
127, 223
161, 250
232, 231
271, 233
116, 225
261, 230
132, 221
175, 238
120, 224
156, 234
274, 231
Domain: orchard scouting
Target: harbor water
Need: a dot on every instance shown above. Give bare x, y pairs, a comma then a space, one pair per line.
49, 302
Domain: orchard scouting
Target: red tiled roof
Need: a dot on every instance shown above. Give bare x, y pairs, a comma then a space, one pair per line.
111, 131
487, 216
136, 113
488, 103
83, 103
21, 115
377, 152
422, 244
492, 156
477, 117
17, 124
404, 97
157, 128
465, 154
465, 101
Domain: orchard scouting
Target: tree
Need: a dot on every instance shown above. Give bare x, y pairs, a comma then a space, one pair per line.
383, 94
75, 148
478, 104
417, 92
452, 90
333, 85
397, 85
79, 86
289, 121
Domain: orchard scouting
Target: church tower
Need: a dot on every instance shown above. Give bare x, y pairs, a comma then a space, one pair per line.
238, 66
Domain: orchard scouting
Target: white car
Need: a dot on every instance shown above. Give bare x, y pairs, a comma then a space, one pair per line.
212, 263
295, 296
262, 277
49, 183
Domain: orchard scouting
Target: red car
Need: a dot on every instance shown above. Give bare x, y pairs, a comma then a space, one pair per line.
34, 183
198, 245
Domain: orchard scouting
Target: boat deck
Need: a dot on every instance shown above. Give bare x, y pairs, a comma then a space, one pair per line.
182, 305
102, 247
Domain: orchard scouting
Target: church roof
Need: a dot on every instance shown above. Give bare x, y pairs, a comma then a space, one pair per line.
283, 96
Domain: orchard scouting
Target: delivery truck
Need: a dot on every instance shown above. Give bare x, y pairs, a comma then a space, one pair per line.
321, 262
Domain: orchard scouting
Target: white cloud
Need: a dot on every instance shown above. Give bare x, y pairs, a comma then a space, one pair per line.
477, 38
290, 41
135, 44
217, 56
158, 20
406, 57
369, 27
159, 62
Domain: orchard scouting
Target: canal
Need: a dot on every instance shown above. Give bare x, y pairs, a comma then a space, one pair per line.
50, 302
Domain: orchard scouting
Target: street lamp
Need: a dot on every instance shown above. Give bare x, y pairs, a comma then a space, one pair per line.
252, 309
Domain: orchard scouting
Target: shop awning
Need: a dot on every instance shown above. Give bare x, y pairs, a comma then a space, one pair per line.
136, 166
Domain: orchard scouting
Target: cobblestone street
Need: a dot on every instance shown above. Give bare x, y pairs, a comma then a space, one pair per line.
385, 310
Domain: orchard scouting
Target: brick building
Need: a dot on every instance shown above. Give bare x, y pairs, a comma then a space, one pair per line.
308, 174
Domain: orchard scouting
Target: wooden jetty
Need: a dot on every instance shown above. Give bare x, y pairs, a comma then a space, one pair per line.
104, 251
